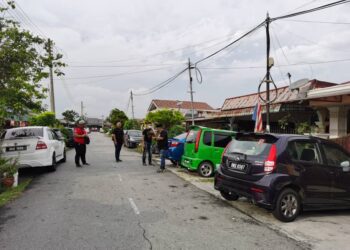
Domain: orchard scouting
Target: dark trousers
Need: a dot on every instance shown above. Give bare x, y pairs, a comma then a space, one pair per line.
147, 149
80, 152
118, 148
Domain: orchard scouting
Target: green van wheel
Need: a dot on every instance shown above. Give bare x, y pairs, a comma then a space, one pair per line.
206, 169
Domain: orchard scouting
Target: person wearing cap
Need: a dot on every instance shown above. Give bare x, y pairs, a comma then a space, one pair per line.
79, 143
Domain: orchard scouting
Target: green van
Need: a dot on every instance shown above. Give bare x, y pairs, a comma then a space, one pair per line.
204, 148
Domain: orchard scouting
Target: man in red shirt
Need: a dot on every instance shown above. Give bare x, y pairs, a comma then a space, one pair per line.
79, 143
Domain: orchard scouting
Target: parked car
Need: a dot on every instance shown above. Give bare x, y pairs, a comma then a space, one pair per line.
176, 148
132, 138
70, 138
34, 147
285, 173
88, 130
203, 149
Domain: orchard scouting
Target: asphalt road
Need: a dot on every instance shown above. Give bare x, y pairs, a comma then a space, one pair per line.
110, 205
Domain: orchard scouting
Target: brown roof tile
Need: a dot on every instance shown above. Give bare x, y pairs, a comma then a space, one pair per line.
172, 104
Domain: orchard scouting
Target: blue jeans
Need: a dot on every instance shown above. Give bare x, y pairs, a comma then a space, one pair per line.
163, 154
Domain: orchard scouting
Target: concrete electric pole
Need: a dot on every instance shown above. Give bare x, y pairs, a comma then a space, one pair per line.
132, 105
191, 90
52, 91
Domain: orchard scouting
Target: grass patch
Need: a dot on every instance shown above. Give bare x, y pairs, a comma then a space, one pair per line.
12, 193
209, 180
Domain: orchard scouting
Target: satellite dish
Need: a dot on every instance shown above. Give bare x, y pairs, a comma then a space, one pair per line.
298, 84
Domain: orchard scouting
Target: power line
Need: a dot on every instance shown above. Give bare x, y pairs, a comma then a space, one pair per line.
322, 7
162, 84
309, 21
279, 45
281, 65
124, 66
233, 42
115, 75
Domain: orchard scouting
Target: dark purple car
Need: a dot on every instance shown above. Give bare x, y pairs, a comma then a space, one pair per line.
285, 173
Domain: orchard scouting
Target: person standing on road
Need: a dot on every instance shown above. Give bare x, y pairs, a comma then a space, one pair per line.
163, 146
118, 139
147, 136
80, 136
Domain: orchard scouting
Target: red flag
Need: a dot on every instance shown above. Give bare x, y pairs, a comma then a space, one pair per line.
258, 121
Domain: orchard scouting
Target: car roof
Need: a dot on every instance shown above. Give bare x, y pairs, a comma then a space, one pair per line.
291, 136
212, 129
28, 127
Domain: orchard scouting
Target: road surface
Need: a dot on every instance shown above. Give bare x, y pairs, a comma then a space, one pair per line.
110, 205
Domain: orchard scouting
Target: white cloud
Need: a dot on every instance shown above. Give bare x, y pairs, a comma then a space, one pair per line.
113, 32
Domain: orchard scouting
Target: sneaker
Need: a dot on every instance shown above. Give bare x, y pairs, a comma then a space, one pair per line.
86, 164
144, 164
119, 160
78, 165
150, 164
160, 170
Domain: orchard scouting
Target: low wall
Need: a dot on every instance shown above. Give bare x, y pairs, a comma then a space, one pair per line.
344, 142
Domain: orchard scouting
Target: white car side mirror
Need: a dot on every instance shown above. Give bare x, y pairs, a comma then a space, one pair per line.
345, 164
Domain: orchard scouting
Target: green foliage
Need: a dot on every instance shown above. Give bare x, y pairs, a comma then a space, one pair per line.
117, 115
176, 130
25, 60
70, 115
12, 193
303, 127
132, 124
166, 117
8, 167
44, 119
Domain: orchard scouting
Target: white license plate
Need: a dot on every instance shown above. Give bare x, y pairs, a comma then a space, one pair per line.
239, 167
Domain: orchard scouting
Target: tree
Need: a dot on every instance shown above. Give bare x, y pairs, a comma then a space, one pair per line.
24, 63
70, 115
44, 119
132, 124
166, 117
117, 115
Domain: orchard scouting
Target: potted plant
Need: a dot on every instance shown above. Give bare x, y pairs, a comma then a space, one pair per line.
8, 172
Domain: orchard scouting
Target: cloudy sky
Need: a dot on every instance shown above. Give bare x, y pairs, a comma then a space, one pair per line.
114, 46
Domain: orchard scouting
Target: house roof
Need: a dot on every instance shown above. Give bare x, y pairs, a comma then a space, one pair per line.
174, 104
284, 95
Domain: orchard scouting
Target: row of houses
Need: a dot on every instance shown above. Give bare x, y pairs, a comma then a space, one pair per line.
318, 106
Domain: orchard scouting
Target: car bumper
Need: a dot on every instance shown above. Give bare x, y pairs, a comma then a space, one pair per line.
37, 159
190, 163
257, 192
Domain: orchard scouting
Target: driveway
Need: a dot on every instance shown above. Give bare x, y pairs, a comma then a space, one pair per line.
126, 206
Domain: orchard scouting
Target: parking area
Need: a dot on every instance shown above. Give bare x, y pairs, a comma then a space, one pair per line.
322, 230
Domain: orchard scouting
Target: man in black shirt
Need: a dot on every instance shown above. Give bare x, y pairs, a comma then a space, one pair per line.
118, 139
148, 135
163, 146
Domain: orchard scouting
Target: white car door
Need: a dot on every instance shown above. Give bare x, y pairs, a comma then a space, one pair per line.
53, 142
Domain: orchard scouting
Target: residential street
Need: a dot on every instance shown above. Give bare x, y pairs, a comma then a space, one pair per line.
125, 206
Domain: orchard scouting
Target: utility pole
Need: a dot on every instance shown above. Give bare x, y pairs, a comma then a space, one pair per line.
132, 105
267, 78
52, 91
81, 109
191, 91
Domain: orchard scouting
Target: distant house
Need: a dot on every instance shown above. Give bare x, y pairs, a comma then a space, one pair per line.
201, 109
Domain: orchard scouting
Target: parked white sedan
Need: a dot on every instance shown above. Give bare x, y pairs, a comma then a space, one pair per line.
33, 146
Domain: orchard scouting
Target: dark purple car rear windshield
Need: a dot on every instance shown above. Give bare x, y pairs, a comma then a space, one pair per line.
252, 144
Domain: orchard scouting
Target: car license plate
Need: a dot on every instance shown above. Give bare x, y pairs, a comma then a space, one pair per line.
16, 148
238, 167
